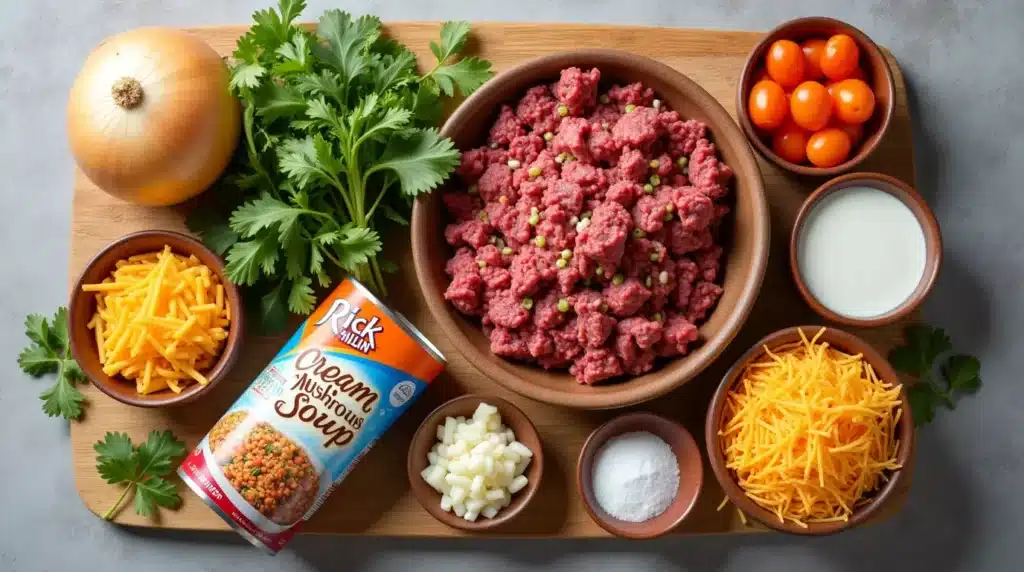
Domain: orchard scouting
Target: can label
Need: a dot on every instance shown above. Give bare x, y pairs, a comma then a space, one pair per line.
338, 384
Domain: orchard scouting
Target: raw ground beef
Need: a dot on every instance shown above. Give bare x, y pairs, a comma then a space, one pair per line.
587, 235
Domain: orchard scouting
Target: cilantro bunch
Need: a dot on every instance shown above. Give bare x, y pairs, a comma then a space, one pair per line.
927, 349
141, 469
50, 352
337, 137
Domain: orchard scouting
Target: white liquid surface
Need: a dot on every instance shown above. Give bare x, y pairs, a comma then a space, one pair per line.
861, 252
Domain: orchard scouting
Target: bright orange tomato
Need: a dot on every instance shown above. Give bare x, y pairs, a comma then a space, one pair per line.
828, 147
813, 50
790, 142
855, 132
810, 105
853, 100
767, 105
840, 58
785, 63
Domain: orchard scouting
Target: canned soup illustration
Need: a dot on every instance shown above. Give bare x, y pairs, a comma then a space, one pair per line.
338, 384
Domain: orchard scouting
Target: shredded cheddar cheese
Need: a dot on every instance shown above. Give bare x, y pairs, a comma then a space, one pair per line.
161, 320
809, 431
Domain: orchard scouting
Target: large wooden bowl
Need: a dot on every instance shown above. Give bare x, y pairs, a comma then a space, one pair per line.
745, 239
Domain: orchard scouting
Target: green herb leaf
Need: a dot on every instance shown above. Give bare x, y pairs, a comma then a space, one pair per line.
277, 101
300, 297
246, 75
296, 56
50, 352
453, 38
421, 160
394, 216
303, 160
963, 373
265, 212
156, 454
468, 74
356, 247
115, 460
212, 229
153, 492
347, 42
274, 309
392, 72
246, 258
923, 402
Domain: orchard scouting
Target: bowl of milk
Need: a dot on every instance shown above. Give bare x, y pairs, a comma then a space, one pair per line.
865, 249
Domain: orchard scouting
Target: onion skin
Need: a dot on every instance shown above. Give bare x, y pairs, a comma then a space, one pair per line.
180, 136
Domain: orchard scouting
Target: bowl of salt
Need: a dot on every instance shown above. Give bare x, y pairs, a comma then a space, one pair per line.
639, 475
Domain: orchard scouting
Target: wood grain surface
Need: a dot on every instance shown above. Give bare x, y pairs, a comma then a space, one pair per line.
375, 499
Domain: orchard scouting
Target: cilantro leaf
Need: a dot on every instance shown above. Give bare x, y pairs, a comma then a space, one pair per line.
153, 492
276, 101
394, 216
309, 161
273, 309
326, 83
142, 469
356, 246
962, 373
50, 352
394, 119
300, 297
467, 74
454, 35
115, 462
273, 28
347, 42
295, 55
246, 258
156, 454
924, 345
395, 71
421, 160
265, 212
246, 75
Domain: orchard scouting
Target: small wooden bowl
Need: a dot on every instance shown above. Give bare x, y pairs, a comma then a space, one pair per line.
746, 238
872, 60
691, 474
426, 437
82, 306
840, 340
915, 202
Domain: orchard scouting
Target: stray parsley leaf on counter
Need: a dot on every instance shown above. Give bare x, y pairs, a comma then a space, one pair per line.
50, 352
958, 373
338, 139
141, 469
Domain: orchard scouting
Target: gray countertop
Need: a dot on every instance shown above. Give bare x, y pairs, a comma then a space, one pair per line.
960, 59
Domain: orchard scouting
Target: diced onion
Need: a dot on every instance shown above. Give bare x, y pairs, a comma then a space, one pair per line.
477, 464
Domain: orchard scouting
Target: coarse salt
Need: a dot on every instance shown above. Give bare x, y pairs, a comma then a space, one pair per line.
635, 476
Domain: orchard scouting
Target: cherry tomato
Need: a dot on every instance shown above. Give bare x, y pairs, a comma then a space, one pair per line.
828, 147
813, 50
761, 75
853, 100
840, 58
785, 63
855, 132
767, 105
810, 105
790, 142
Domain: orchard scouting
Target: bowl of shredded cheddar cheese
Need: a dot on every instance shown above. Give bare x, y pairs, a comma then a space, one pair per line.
154, 320
810, 432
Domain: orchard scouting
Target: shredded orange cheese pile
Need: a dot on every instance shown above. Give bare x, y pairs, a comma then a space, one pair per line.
161, 319
809, 431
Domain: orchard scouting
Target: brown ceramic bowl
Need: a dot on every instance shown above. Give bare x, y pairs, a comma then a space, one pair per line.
83, 305
844, 342
691, 473
426, 437
872, 61
746, 238
908, 196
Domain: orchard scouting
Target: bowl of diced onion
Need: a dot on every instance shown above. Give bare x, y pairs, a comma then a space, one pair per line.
475, 462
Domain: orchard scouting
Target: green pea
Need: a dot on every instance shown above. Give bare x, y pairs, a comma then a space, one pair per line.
527, 303
563, 111
630, 108
563, 305
618, 279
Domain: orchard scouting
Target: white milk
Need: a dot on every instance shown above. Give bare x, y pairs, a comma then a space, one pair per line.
861, 252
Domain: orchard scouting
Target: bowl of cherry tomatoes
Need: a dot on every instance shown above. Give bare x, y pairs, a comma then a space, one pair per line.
815, 96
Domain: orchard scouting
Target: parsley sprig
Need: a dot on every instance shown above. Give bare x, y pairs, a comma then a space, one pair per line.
338, 137
925, 349
48, 353
141, 469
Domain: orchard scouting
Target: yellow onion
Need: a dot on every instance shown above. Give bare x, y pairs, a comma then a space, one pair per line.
151, 118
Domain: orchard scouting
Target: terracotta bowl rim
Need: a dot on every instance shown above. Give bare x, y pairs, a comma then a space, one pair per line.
721, 124
430, 500
844, 341
163, 398
922, 212
610, 429
781, 31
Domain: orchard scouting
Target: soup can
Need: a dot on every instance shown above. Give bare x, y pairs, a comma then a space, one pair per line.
339, 383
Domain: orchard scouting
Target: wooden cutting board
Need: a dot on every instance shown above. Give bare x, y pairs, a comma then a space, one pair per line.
375, 499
